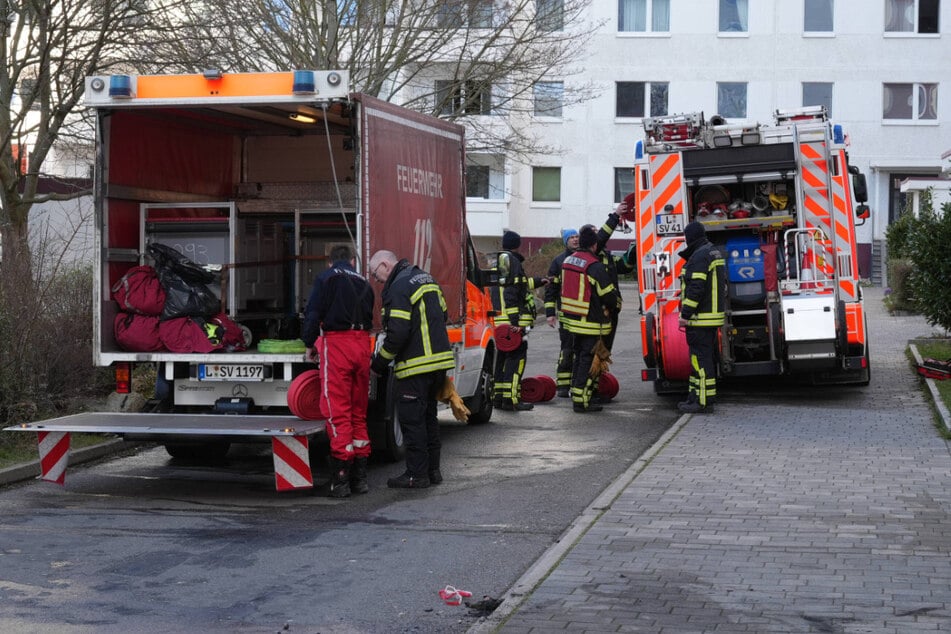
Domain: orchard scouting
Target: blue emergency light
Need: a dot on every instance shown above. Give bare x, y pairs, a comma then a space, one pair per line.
120, 86
304, 82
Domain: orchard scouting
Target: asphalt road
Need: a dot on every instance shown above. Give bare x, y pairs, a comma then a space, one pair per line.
142, 544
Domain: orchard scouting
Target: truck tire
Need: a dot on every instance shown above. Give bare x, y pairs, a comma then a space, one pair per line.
480, 403
383, 424
199, 453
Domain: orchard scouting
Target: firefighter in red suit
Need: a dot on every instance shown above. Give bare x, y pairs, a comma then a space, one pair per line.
589, 300
340, 311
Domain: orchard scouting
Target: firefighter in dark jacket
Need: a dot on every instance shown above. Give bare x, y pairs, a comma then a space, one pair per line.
515, 303
417, 343
702, 305
588, 302
553, 312
340, 311
616, 265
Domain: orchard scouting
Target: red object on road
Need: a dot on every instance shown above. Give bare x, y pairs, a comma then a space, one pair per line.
608, 386
303, 396
533, 389
551, 387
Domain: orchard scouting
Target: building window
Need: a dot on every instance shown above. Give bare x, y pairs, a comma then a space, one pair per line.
548, 98
817, 93
463, 97
734, 16
632, 99
623, 182
731, 99
911, 16
550, 15
910, 102
477, 181
347, 13
817, 16
546, 184
643, 16
456, 14
485, 177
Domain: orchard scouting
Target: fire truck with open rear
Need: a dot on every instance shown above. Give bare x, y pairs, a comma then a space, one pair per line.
780, 200
256, 177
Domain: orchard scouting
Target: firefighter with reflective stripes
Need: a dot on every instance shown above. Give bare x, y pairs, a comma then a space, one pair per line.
553, 312
340, 310
514, 301
588, 302
615, 264
702, 313
417, 343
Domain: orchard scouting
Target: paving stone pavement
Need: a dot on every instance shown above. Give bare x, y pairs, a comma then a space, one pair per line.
814, 517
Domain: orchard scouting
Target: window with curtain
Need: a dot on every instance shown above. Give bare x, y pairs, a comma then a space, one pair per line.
734, 16
546, 184
817, 93
911, 16
644, 16
817, 16
910, 102
640, 99
731, 99
548, 98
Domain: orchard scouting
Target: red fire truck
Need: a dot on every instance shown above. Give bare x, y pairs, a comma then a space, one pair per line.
780, 200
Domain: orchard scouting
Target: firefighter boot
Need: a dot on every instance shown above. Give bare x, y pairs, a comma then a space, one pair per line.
358, 476
435, 475
407, 481
693, 406
340, 478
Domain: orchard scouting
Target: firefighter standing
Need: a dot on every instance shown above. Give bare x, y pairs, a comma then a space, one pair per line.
514, 302
702, 301
340, 310
588, 302
553, 312
416, 341
615, 266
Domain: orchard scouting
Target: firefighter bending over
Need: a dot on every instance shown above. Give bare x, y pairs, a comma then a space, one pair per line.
416, 341
702, 299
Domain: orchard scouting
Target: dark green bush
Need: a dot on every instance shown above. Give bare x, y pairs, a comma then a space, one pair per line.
929, 247
898, 294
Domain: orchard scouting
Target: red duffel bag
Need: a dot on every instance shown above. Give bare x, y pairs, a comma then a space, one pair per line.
139, 291
137, 333
190, 334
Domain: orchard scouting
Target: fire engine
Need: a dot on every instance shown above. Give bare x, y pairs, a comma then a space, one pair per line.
781, 202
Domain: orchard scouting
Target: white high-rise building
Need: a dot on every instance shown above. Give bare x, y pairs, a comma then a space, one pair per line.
882, 68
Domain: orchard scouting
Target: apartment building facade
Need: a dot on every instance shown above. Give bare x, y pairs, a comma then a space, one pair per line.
879, 66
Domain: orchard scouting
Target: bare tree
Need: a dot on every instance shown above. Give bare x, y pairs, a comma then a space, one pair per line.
48, 48
477, 61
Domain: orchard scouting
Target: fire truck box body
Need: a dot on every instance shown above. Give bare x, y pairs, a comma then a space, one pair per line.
779, 201
258, 176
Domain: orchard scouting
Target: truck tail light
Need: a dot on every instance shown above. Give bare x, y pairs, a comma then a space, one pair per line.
123, 378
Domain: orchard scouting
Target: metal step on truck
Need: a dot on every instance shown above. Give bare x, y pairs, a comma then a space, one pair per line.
255, 177
781, 202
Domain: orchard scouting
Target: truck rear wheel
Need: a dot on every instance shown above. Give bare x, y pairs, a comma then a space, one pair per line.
383, 424
480, 403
